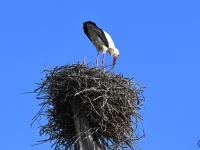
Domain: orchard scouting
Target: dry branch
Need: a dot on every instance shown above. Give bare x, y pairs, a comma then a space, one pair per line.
109, 102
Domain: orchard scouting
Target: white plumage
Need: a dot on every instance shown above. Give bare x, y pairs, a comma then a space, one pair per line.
102, 41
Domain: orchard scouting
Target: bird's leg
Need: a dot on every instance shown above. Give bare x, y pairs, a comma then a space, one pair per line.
103, 59
84, 61
97, 59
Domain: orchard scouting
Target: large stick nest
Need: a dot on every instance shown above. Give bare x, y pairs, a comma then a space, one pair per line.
110, 102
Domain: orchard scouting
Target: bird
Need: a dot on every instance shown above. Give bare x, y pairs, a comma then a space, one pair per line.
101, 40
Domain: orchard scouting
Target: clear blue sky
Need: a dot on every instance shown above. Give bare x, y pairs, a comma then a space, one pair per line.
159, 43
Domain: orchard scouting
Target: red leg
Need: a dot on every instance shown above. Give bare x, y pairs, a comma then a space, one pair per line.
84, 61
97, 60
103, 59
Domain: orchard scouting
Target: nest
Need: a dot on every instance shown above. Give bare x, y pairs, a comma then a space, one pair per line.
109, 102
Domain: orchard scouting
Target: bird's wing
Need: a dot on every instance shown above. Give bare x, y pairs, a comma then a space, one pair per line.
109, 39
92, 26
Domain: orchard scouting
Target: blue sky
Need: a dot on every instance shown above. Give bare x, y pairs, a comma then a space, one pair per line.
159, 43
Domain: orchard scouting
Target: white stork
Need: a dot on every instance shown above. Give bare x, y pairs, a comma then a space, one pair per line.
101, 40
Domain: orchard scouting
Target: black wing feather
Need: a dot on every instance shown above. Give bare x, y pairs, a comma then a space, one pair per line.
97, 30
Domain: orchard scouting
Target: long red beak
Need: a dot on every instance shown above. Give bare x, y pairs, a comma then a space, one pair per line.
114, 61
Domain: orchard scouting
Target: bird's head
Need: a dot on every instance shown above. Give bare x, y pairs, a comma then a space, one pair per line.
115, 53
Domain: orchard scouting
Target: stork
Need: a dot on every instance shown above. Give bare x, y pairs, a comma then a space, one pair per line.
101, 40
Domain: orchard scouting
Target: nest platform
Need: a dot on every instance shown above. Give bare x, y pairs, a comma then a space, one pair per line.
110, 103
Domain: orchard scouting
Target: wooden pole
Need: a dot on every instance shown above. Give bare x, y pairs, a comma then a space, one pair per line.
84, 137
